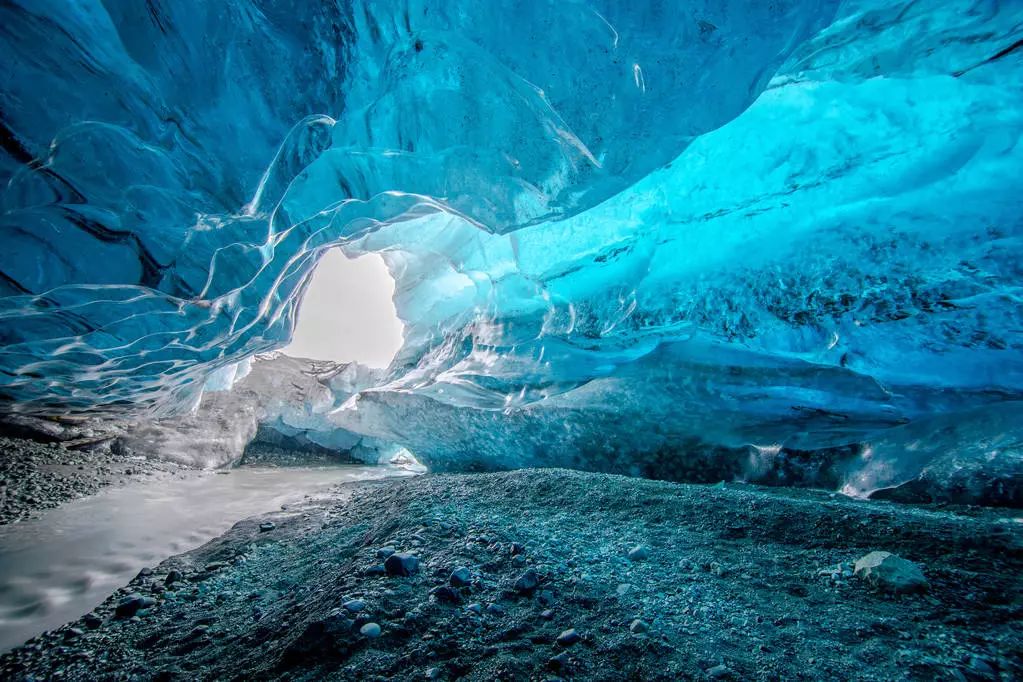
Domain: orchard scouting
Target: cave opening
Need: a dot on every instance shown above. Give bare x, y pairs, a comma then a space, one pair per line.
347, 313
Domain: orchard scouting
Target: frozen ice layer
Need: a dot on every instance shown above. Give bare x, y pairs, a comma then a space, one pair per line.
277, 399
760, 239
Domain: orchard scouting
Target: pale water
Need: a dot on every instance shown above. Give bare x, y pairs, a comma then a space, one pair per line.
58, 567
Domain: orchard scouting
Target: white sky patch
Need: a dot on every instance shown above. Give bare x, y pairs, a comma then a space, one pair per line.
347, 314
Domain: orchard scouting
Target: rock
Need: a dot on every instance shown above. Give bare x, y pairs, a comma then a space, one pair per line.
638, 626
545, 597
568, 637
198, 631
401, 564
719, 672
495, 610
890, 573
433, 673
354, 605
979, 668
516, 548
559, 663
445, 595
267, 526
547, 614
460, 577
215, 566
132, 604
173, 576
639, 553
371, 630
92, 621
474, 608
376, 569
527, 582
385, 552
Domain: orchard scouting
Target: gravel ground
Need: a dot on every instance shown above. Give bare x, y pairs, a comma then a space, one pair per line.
551, 574
266, 454
38, 476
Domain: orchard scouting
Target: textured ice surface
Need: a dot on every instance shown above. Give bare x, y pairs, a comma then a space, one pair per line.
631, 236
287, 397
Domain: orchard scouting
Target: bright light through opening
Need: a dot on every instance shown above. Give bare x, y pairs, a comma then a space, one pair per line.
347, 314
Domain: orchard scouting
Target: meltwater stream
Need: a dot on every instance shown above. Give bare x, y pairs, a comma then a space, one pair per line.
56, 568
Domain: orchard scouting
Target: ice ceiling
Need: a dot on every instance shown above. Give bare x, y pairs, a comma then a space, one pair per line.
620, 231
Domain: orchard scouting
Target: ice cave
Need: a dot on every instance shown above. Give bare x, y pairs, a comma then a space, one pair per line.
511, 339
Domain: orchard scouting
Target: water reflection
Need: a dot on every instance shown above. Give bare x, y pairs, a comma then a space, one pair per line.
55, 568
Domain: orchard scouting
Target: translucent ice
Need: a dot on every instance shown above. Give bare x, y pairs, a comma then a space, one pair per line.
288, 397
628, 236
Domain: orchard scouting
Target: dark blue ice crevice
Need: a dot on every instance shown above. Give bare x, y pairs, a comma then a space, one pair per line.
623, 237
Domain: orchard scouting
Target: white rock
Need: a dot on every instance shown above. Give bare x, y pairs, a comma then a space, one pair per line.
891, 573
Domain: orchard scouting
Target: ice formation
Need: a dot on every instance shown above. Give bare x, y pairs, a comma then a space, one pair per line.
289, 398
627, 236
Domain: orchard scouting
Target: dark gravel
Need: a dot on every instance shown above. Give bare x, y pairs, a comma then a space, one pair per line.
37, 476
739, 583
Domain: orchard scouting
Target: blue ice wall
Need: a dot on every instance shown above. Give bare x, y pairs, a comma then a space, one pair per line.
172, 169
622, 232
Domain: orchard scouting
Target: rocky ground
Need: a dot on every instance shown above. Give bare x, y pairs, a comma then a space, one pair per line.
548, 574
270, 455
36, 476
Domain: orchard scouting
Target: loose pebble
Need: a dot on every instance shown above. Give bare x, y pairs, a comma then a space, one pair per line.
460, 577
401, 564
527, 582
568, 637
638, 626
639, 553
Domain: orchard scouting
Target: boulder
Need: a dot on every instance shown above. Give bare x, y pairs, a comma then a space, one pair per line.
132, 604
527, 582
460, 577
890, 573
401, 564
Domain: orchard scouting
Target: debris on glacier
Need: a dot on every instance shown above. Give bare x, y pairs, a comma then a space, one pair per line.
299, 603
890, 573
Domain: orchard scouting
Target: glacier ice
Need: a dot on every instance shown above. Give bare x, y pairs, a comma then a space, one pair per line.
285, 397
646, 237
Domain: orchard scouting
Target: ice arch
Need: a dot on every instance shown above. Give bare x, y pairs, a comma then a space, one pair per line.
623, 235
